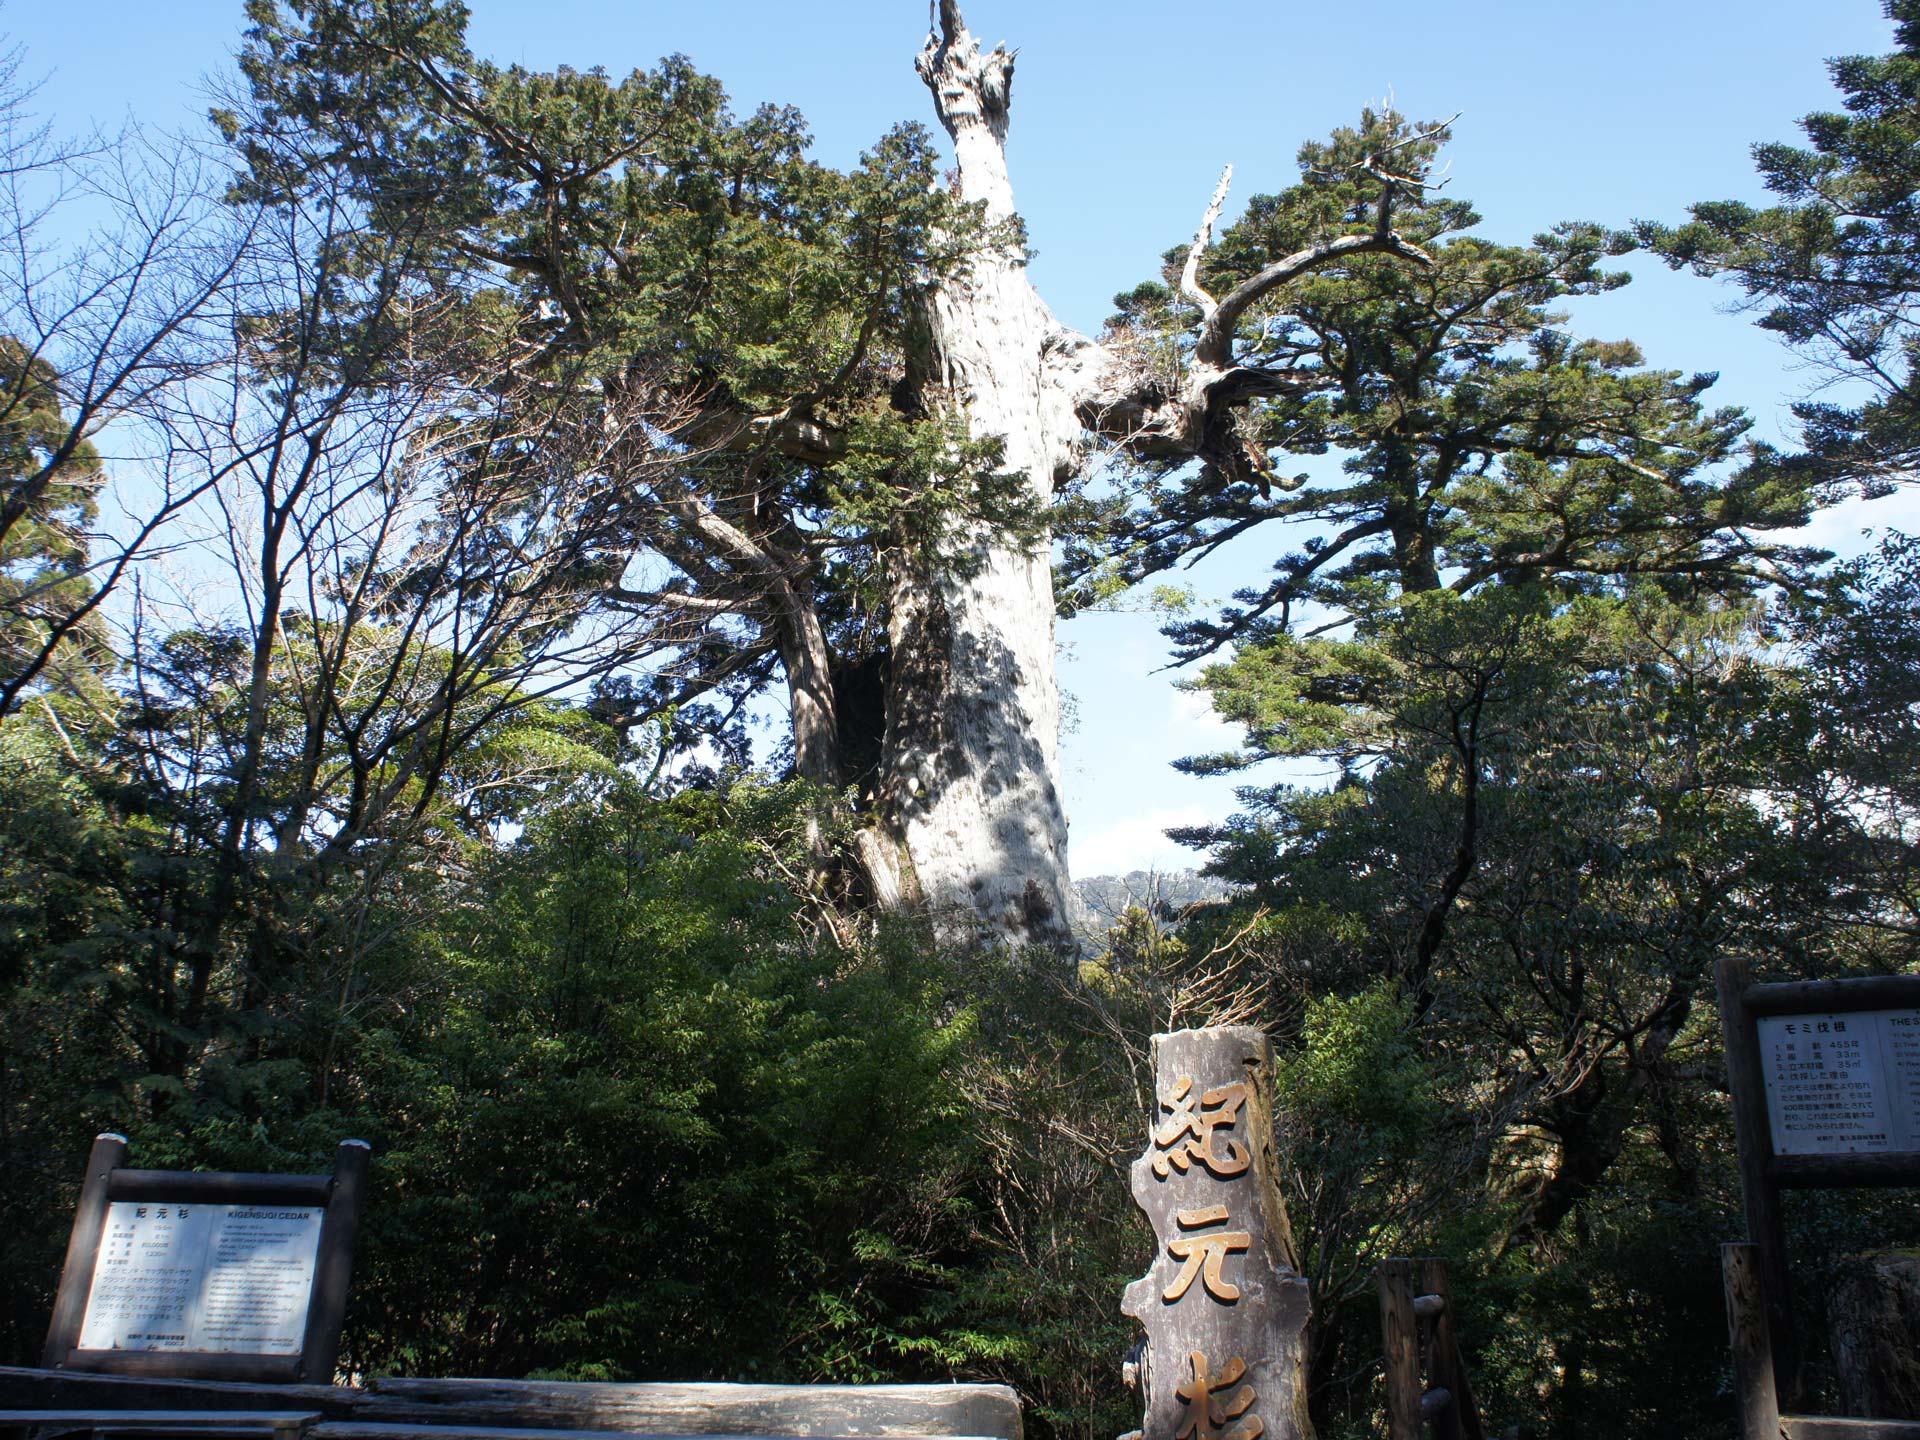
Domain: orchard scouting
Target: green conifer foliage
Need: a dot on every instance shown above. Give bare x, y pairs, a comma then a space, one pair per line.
1480, 440
1834, 267
49, 483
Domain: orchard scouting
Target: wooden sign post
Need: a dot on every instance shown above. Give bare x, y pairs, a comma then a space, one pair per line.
1224, 1304
189, 1274
1825, 1080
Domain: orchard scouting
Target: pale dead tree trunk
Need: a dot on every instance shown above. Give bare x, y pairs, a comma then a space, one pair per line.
974, 769
973, 754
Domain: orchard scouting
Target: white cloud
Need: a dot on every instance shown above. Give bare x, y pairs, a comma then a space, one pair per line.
1137, 842
1854, 527
1192, 720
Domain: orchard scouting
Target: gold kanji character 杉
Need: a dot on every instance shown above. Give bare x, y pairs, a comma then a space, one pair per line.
1209, 1418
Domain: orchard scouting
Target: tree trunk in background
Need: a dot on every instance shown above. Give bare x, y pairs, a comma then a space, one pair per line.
1875, 1335
971, 776
973, 763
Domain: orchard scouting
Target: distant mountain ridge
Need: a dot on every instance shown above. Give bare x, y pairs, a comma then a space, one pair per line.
1105, 898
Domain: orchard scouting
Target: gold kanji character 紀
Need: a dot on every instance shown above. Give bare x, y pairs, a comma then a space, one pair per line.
1191, 1130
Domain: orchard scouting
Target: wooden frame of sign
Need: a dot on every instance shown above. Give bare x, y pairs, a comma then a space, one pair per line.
270, 1311
1825, 1082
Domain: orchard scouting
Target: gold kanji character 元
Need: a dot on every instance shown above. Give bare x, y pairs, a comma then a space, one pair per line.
1202, 1254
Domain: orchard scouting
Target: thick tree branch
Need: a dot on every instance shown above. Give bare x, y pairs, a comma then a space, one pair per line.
1190, 275
1215, 345
798, 437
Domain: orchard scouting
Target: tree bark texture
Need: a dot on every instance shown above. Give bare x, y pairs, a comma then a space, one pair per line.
1875, 1335
975, 711
973, 766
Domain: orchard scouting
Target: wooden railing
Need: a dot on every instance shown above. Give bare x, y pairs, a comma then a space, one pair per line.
1426, 1380
56, 1402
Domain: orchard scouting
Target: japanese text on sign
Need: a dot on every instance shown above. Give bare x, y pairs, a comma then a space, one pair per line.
1842, 1084
1215, 1410
1191, 1131
213, 1279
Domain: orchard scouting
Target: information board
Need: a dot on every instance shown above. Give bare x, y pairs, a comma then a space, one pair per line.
218, 1279
1824, 1079
1845, 1083
207, 1274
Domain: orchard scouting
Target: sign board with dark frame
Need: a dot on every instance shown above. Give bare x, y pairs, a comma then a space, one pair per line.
252, 1269
1825, 1081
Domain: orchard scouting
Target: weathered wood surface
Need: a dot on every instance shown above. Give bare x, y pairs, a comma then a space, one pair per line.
1223, 1303
1822, 1427
1756, 1399
799, 1412
368, 1430
1808, 1172
851, 1411
128, 1422
1864, 992
333, 1265
377, 1430
274, 1370
222, 1187
1400, 1347
308, 1423
1760, 1191
23, 1388
109, 1152
1446, 1368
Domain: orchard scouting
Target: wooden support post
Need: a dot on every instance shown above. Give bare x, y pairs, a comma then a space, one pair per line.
1754, 1390
1223, 1303
1446, 1367
1400, 1344
109, 1153
333, 1266
1753, 1138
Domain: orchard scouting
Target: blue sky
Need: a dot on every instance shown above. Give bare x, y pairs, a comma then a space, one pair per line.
1123, 115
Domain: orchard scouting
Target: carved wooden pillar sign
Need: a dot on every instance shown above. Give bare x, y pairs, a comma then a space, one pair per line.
1224, 1304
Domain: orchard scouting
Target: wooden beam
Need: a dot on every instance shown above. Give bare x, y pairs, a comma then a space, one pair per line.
1400, 1345
333, 1262
797, 1412
24, 1388
1822, 1171
858, 1412
1754, 1393
1753, 1139
1804, 997
1444, 1363
83, 1247
1823, 1427
375, 1430
219, 1187
187, 1365
283, 1423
